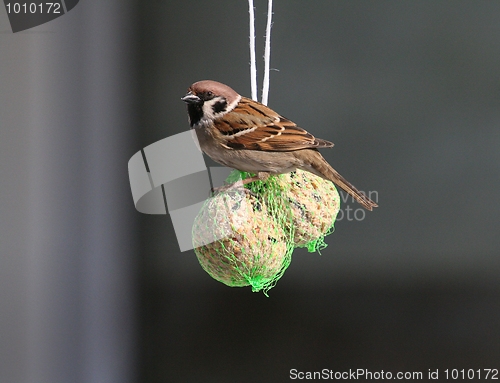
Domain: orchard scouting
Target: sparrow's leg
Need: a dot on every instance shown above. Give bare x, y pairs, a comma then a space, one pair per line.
237, 186
261, 176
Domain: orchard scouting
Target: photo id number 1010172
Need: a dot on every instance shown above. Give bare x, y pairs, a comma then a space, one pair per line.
33, 8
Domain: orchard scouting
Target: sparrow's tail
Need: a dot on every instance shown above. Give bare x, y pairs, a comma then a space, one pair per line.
322, 168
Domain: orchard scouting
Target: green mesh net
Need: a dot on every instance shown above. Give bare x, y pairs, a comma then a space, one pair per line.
246, 238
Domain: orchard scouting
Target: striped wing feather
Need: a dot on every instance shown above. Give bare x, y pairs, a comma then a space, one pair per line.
253, 126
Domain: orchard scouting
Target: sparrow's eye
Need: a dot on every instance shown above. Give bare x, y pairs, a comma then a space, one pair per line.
210, 94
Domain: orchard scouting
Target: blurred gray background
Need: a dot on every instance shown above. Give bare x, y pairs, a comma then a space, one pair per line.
92, 291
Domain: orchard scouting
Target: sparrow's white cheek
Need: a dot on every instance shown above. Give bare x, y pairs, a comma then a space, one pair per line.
211, 111
208, 110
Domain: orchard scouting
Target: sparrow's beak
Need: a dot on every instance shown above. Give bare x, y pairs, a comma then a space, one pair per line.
190, 98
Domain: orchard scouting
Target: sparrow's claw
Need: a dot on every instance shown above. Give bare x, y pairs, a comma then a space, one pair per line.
237, 186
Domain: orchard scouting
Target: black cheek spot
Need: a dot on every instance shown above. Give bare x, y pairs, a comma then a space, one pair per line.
219, 106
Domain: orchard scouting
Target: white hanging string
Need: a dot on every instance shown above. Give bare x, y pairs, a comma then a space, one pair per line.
253, 65
267, 53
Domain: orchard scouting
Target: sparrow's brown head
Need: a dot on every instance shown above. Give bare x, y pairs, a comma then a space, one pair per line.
208, 100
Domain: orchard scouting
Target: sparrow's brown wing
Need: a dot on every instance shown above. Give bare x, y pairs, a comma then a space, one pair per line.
253, 126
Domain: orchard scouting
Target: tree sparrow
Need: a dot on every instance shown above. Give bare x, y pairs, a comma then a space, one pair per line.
246, 135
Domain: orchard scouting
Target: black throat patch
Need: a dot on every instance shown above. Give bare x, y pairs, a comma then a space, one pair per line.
195, 112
